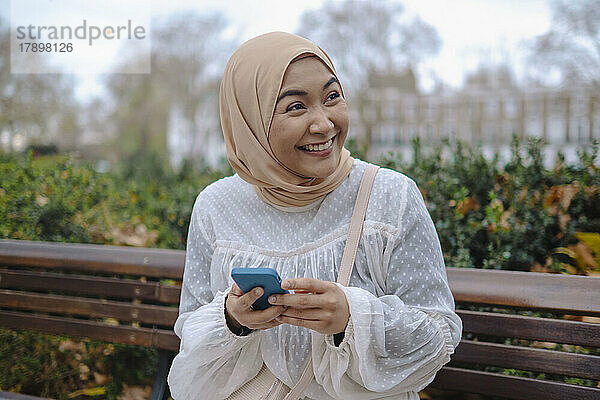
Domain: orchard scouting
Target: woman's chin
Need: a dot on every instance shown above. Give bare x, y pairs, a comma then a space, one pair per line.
323, 168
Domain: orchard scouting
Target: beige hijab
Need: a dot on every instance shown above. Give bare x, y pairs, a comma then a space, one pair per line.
249, 89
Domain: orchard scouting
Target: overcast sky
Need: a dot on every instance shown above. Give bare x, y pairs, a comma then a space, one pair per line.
472, 31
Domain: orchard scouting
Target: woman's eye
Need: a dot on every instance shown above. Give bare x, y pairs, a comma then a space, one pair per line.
333, 96
294, 107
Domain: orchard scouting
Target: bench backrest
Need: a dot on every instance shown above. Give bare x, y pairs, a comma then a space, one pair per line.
110, 293
130, 295
534, 323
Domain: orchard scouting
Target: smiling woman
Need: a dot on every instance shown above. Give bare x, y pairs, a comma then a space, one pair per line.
288, 207
310, 123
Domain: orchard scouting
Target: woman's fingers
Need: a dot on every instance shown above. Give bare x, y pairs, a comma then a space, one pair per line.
315, 314
304, 300
239, 307
306, 284
266, 315
262, 319
324, 309
317, 305
235, 290
247, 299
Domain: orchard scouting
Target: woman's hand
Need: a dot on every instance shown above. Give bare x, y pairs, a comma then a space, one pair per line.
237, 306
315, 304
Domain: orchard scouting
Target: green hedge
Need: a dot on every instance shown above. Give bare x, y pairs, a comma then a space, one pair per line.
513, 217
62, 199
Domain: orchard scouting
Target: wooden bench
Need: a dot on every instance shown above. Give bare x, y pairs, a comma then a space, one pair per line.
47, 287
499, 337
80, 290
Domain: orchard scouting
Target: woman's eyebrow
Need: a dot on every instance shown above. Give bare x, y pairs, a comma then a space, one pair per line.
330, 81
294, 92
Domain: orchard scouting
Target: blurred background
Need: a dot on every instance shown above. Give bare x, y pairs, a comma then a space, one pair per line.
480, 71
491, 106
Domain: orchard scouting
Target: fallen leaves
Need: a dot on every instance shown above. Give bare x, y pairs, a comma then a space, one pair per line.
467, 205
135, 393
100, 379
579, 257
95, 391
133, 235
558, 198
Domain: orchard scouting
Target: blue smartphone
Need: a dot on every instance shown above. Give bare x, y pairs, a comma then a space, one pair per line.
267, 278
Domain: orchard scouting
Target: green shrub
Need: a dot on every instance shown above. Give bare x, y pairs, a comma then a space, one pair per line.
65, 200
509, 217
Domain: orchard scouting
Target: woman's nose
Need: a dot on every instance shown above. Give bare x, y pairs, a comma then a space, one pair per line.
321, 122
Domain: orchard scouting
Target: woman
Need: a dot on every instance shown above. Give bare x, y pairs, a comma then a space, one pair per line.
288, 208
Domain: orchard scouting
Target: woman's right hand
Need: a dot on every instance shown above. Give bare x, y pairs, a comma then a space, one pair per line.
238, 307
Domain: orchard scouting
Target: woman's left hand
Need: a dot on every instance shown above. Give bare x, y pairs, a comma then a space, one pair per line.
315, 304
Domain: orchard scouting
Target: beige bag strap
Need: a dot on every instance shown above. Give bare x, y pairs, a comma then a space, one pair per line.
354, 231
356, 224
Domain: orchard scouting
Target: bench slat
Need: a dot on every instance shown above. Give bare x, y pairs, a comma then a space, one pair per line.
512, 387
523, 327
157, 338
569, 293
92, 308
89, 285
122, 260
19, 396
509, 288
529, 359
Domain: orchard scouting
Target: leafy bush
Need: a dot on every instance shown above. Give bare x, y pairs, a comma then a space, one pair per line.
512, 218
63, 199
54, 366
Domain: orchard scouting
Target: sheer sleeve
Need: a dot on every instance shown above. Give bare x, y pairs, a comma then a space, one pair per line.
212, 362
397, 342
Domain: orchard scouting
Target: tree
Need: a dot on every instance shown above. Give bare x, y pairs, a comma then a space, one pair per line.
367, 38
572, 45
188, 56
40, 107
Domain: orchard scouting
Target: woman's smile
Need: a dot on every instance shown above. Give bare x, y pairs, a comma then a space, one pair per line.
319, 150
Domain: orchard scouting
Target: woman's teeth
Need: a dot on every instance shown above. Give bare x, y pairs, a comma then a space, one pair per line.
320, 147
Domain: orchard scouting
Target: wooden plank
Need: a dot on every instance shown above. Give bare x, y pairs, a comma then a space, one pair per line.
509, 288
93, 258
156, 338
528, 359
511, 387
531, 290
168, 341
543, 329
91, 308
89, 285
19, 396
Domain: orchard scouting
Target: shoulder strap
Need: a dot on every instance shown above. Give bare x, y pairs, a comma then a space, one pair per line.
356, 224
354, 231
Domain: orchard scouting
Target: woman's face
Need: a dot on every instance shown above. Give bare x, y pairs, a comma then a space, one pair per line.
310, 110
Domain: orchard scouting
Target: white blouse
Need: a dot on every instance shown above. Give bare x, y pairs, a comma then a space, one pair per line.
402, 326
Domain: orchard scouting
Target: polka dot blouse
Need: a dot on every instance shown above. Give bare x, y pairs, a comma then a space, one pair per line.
403, 326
